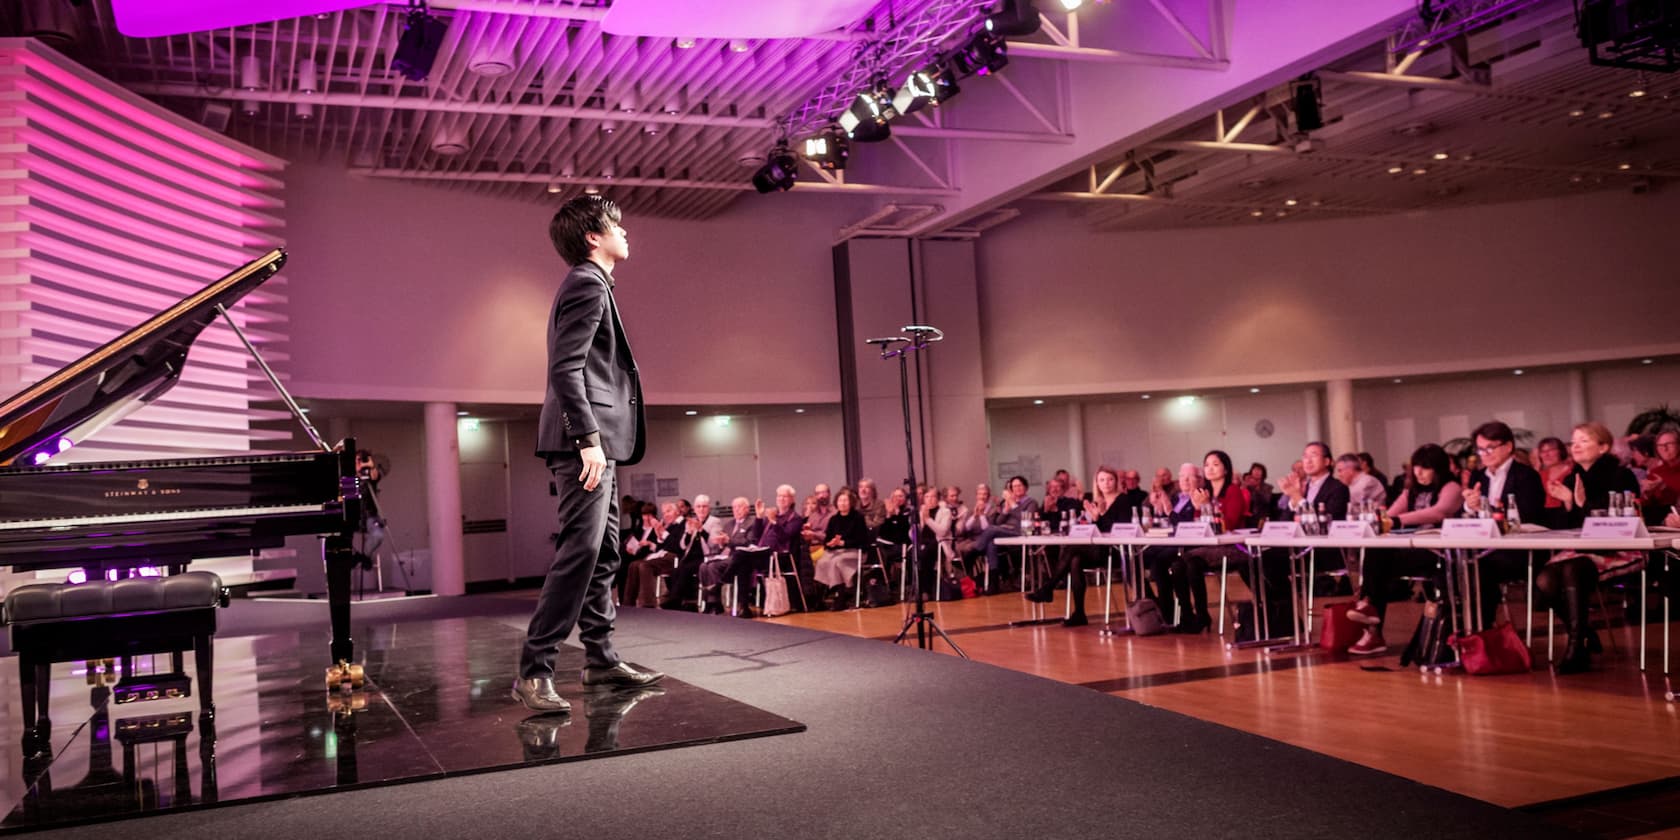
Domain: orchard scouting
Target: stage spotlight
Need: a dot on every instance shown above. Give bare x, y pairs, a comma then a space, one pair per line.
929, 86
418, 45
828, 148
866, 120
1309, 114
779, 172
1014, 19
984, 54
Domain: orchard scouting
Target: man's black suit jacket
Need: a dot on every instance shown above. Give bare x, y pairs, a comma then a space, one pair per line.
1523, 482
594, 391
1333, 495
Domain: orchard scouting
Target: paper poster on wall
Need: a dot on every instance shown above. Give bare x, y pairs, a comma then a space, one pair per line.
668, 488
643, 485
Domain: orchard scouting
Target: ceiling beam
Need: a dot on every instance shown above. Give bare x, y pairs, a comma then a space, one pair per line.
526, 8
1029, 49
663, 183
1134, 198
421, 103
1389, 160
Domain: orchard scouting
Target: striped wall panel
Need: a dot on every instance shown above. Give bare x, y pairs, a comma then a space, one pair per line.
111, 209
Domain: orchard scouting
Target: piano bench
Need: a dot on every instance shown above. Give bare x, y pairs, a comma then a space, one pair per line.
68, 622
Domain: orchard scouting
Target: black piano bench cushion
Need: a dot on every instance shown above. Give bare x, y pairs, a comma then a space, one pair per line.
44, 602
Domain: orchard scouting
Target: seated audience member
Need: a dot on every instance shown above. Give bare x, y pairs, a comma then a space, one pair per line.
869, 504
1179, 507
1016, 506
1553, 464
699, 531
844, 541
743, 532
1641, 455
1107, 507
956, 512
1505, 481
1568, 581
1058, 506
934, 524
1308, 487
779, 534
1369, 465
649, 554
973, 523
1363, 488
895, 521
1432, 495
1259, 493
1398, 485
1135, 496
1661, 488
818, 508
1187, 574
1469, 468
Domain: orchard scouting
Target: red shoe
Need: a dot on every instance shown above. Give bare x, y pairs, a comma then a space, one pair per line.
1369, 644
1364, 613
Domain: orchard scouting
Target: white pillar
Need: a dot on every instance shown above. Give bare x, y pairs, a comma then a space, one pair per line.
1579, 410
1339, 399
1076, 445
443, 499
1315, 414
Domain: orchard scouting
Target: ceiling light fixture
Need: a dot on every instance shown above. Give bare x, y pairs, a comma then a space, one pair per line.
1441, 156
1015, 19
685, 42
779, 172
739, 45
250, 73
1038, 402
417, 46
828, 148
1396, 169
1145, 396
984, 54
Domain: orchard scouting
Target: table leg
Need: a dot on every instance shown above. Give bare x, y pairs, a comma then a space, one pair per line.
1528, 639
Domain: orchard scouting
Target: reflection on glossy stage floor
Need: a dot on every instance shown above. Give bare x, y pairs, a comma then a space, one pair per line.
435, 703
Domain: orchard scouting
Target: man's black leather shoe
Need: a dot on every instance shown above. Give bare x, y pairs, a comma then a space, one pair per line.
621, 674
539, 695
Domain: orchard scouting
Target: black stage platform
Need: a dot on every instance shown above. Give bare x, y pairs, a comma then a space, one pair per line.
435, 704
900, 743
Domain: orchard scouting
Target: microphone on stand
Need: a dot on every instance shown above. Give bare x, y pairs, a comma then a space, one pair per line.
921, 335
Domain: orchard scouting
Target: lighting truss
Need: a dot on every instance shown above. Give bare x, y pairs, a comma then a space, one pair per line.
1439, 20
911, 41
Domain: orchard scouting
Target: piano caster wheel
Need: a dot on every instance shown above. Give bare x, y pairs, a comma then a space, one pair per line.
345, 672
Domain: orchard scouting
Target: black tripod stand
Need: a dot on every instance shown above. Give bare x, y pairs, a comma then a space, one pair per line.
915, 338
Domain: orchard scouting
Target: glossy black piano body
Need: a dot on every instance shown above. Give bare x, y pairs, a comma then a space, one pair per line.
120, 516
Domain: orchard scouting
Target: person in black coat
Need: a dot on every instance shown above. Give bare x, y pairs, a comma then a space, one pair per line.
1567, 584
591, 422
1316, 490
1504, 484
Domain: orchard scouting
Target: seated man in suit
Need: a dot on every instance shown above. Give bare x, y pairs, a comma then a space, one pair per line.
1311, 490
1363, 488
1507, 482
742, 532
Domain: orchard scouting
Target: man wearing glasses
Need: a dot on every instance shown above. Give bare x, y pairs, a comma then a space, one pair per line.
1504, 480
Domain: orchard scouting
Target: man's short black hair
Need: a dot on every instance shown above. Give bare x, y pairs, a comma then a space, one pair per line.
1645, 445
1323, 448
1496, 431
575, 220
1259, 466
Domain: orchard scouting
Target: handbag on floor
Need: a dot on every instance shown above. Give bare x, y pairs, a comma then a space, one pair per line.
1144, 617
1243, 626
1428, 646
1340, 632
1496, 650
776, 593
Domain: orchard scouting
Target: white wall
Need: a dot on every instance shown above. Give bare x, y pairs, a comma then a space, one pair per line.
1067, 311
416, 292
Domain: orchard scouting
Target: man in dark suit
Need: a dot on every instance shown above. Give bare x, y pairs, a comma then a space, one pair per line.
591, 422
1312, 491
1505, 482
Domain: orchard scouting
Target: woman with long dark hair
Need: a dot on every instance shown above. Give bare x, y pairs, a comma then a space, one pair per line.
1432, 494
1187, 575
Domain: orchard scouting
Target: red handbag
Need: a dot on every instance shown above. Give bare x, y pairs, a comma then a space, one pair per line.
1339, 632
1496, 650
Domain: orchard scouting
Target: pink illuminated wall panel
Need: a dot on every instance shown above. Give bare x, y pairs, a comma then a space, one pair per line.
111, 209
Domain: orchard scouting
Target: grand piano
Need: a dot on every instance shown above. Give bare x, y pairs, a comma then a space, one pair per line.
110, 519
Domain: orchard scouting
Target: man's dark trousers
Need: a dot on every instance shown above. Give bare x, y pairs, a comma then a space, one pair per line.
578, 587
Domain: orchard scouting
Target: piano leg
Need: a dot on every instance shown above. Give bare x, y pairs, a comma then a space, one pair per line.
340, 558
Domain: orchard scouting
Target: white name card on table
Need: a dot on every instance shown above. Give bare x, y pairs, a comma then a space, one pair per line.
1351, 529
1614, 527
1287, 529
1193, 529
1124, 530
1083, 531
1477, 528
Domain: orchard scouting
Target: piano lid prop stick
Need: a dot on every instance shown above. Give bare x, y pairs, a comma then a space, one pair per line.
275, 381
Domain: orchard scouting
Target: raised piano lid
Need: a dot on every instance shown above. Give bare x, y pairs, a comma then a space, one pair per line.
107, 384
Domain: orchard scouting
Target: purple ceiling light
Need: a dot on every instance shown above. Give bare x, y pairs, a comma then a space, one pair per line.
735, 19
157, 18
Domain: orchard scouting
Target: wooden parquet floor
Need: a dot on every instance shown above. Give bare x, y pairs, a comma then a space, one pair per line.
1511, 740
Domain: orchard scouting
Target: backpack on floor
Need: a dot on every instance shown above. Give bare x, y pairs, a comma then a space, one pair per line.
1428, 647
1144, 617
950, 589
1244, 628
